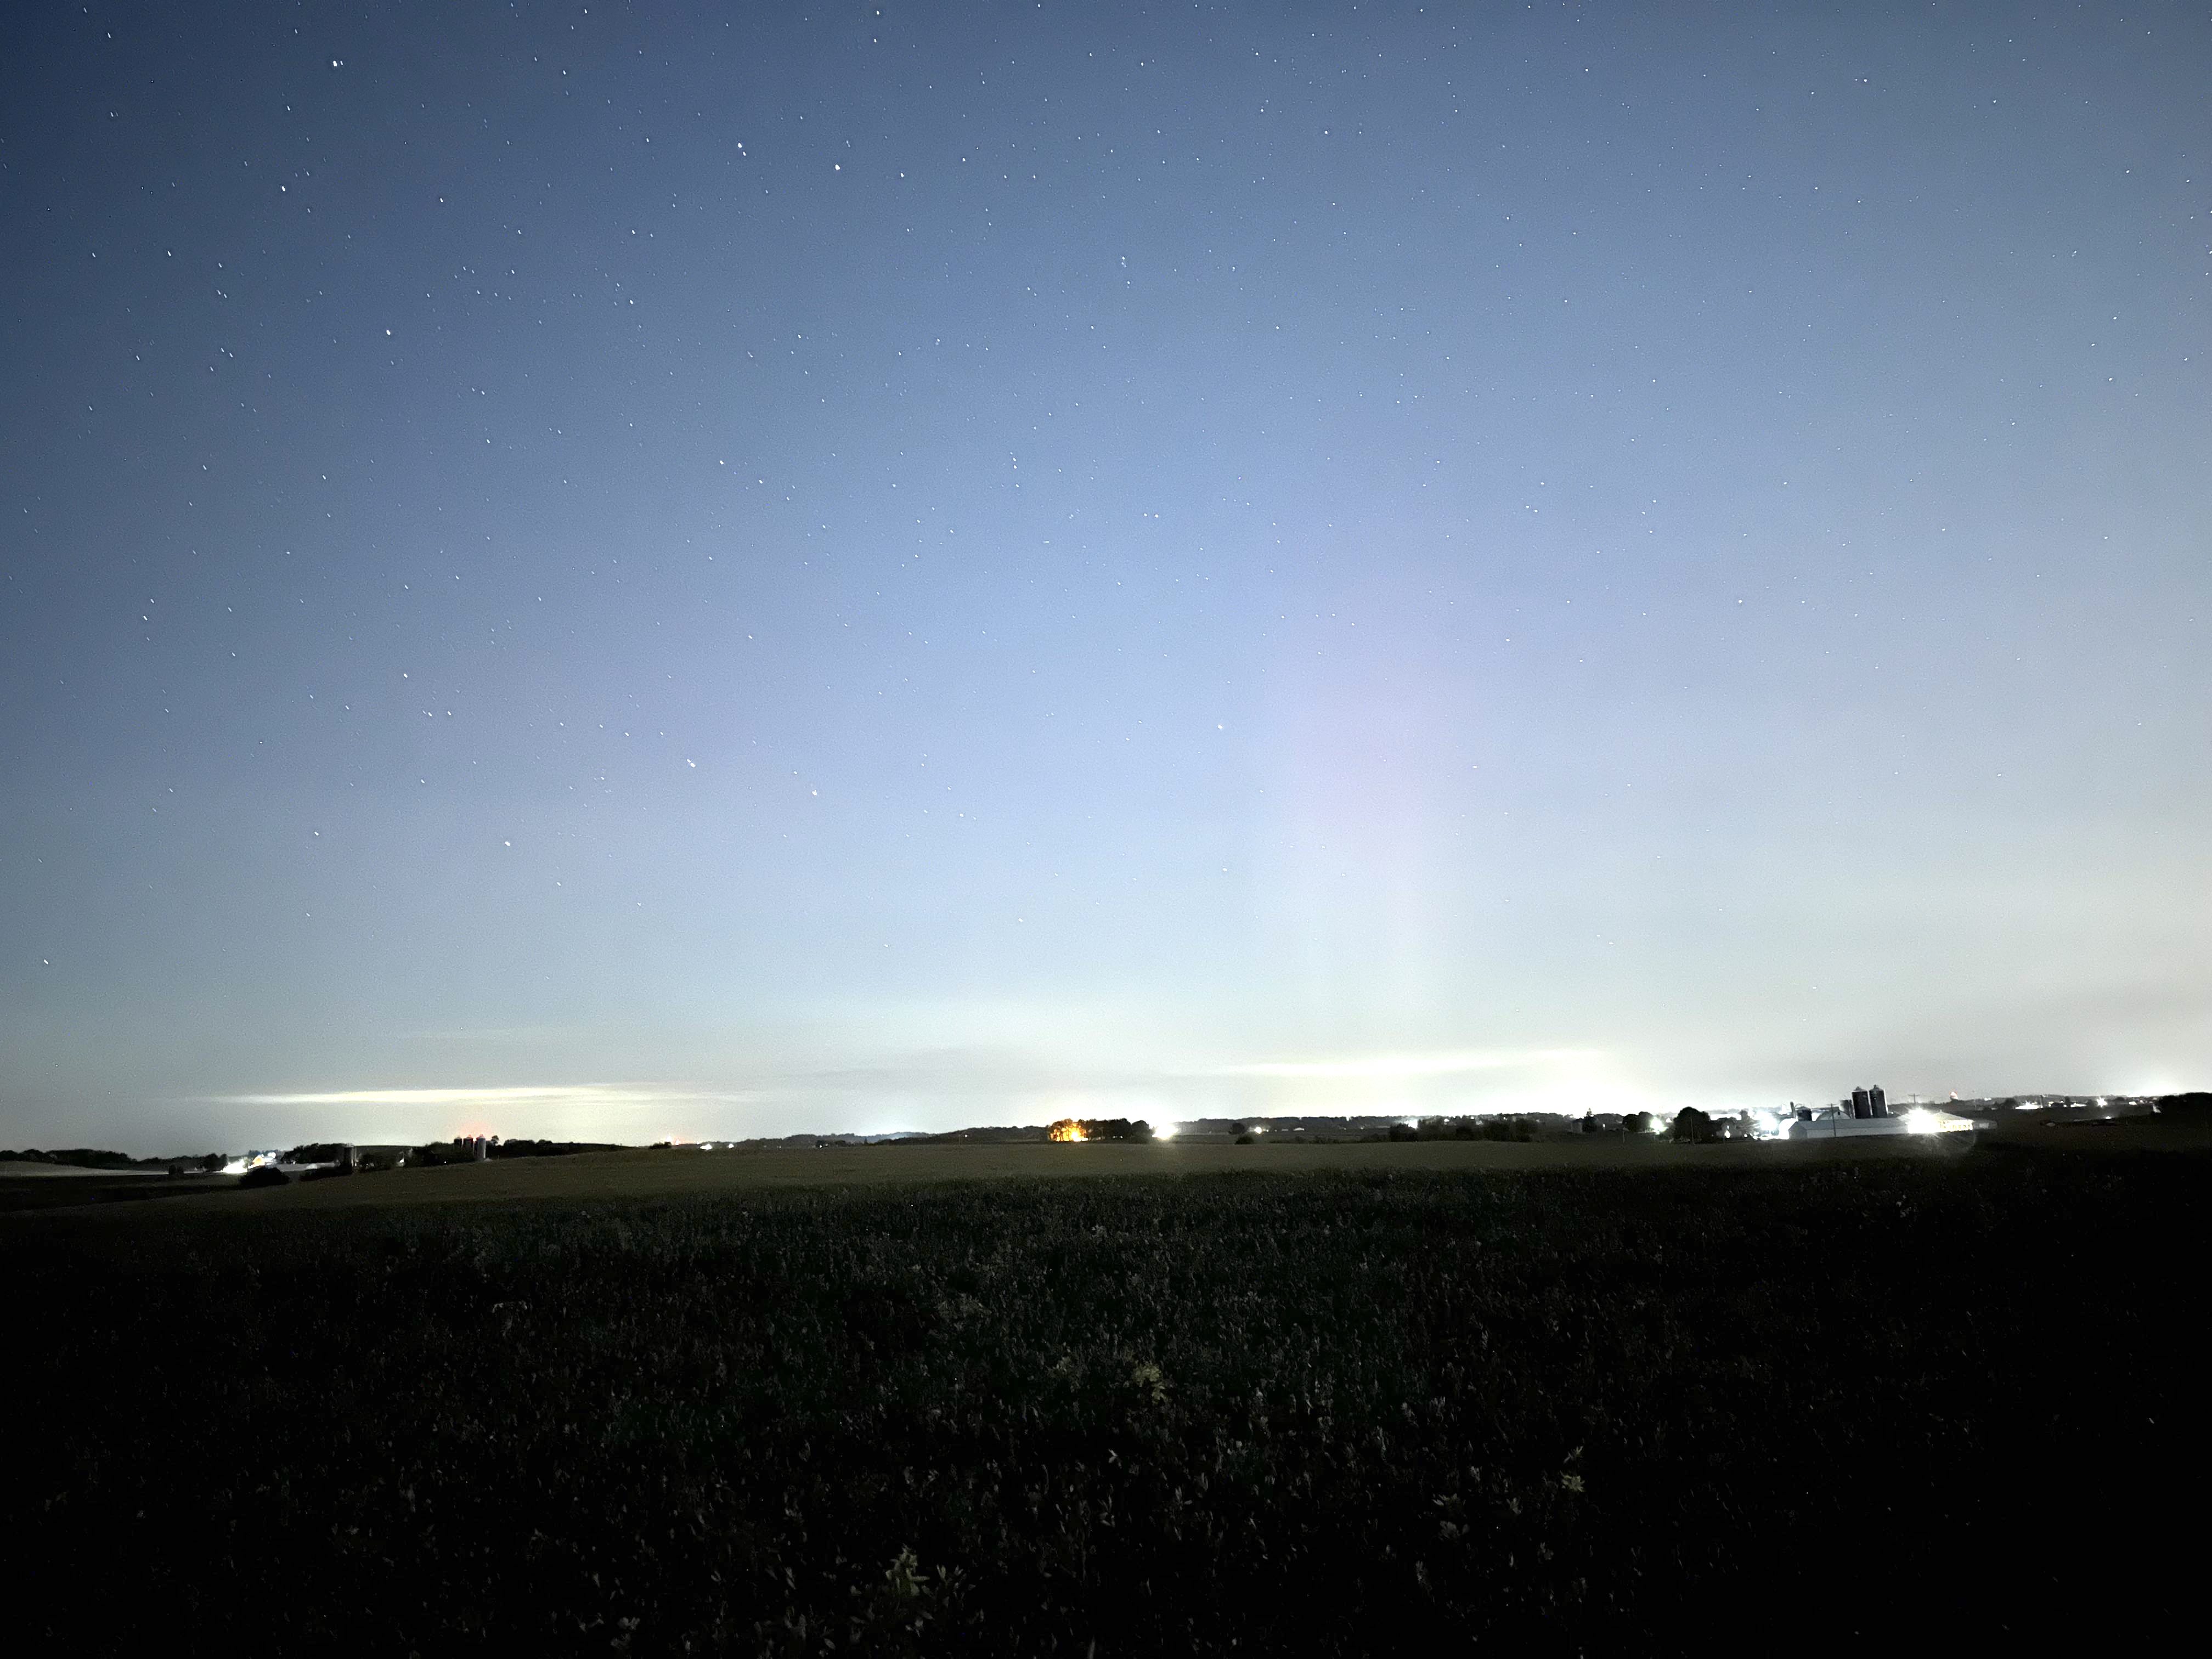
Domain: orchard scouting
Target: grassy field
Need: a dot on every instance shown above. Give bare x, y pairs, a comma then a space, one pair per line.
687, 1172
640, 1173
61, 1186
682, 1171
824, 1402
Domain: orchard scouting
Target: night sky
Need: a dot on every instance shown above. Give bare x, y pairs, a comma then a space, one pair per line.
633, 572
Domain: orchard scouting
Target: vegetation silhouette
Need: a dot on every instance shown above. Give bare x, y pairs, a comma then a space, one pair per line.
1565, 1409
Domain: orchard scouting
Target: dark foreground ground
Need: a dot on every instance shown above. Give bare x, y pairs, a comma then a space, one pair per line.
1371, 1411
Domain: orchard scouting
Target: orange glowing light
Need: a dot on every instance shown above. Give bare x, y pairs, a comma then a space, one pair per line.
1067, 1129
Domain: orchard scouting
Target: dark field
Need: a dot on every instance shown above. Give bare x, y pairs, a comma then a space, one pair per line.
1350, 1412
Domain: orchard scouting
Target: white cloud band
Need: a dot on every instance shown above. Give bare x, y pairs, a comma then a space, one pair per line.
1382, 1068
599, 1095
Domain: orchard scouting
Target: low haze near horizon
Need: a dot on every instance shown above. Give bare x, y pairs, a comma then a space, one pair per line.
634, 572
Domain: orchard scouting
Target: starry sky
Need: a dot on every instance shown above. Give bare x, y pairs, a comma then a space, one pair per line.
647, 571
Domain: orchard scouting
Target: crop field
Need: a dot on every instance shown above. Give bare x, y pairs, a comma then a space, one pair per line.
1286, 1410
640, 1173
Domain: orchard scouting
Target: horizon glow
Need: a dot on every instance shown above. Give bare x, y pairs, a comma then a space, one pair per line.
714, 570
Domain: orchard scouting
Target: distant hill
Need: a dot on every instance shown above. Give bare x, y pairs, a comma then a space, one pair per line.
13, 1167
85, 1159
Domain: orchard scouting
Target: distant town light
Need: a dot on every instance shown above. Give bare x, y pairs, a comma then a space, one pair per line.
1923, 1120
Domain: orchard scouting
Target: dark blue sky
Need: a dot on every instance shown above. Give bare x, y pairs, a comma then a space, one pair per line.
646, 571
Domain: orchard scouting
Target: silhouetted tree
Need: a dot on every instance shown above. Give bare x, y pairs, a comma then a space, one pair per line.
1692, 1125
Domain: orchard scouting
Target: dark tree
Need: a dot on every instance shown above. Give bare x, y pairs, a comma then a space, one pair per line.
1693, 1125
1115, 1128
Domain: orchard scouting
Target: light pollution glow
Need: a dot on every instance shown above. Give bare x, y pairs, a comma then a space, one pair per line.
1393, 594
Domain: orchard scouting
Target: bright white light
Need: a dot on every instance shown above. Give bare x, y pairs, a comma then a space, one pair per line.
1921, 1121
1165, 1132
